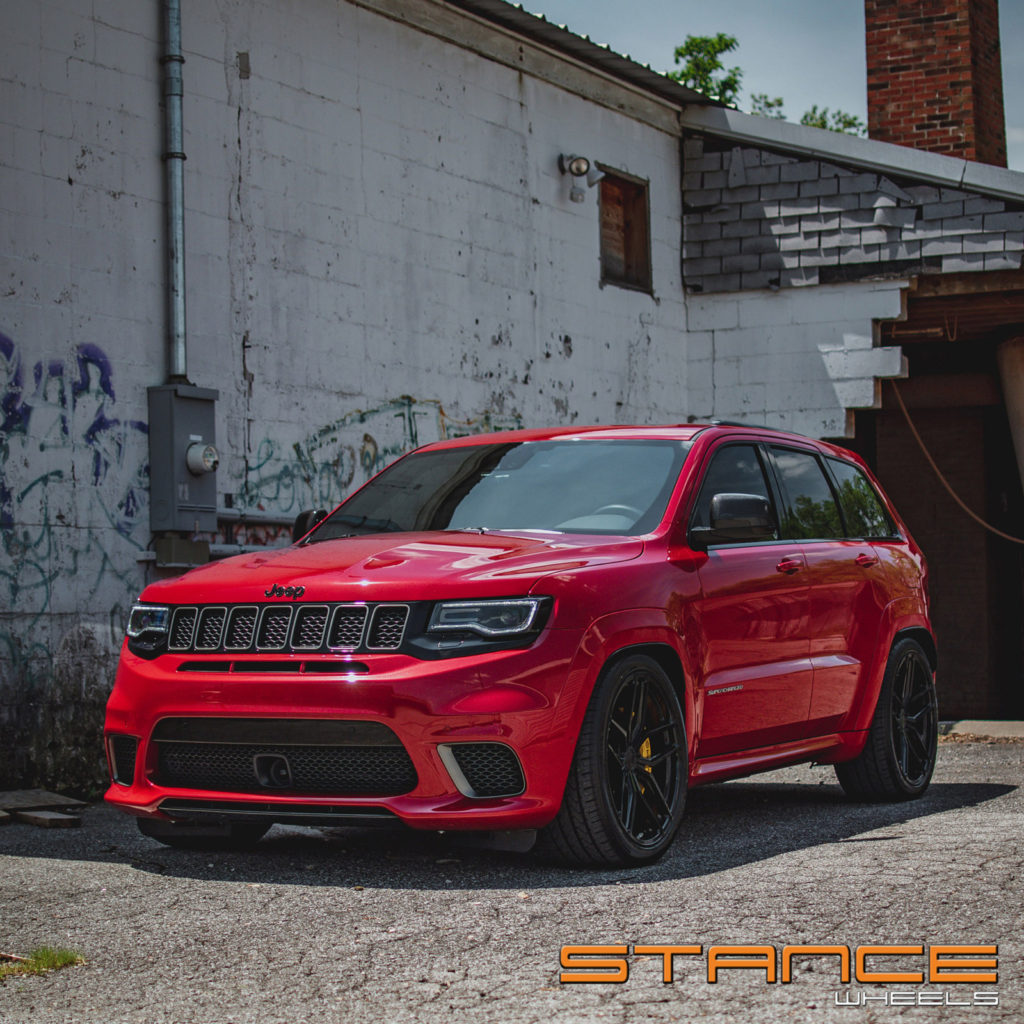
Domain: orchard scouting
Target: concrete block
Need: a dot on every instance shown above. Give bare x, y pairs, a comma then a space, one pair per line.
711, 314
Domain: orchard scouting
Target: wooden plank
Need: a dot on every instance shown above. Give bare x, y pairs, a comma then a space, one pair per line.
36, 800
48, 819
5, 818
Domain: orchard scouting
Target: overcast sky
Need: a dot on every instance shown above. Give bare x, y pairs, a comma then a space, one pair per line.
806, 51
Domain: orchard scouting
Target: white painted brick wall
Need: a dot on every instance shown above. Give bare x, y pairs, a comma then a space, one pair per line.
798, 359
380, 250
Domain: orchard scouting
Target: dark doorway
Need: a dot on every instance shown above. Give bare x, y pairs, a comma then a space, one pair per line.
954, 398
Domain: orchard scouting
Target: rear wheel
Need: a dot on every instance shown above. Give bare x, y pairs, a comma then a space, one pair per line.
183, 836
627, 785
899, 757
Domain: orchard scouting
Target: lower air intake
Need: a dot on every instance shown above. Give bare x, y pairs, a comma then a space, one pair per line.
484, 769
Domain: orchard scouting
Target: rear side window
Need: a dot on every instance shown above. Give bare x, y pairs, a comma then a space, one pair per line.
812, 512
735, 469
863, 510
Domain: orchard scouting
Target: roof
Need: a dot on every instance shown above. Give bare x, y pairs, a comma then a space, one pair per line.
698, 113
583, 49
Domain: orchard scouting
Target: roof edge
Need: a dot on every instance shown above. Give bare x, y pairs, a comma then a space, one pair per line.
558, 37
883, 157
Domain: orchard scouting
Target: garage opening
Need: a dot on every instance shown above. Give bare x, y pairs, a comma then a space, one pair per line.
955, 397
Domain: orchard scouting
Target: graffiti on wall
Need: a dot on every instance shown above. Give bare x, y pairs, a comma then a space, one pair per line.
73, 491
330, 462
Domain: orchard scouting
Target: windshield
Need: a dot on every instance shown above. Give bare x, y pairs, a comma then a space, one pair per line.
601, 486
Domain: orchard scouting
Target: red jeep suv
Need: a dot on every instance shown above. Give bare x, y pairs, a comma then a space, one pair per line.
558, 630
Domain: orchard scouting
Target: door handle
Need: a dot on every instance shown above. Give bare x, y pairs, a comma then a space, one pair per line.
789, 566
866, 561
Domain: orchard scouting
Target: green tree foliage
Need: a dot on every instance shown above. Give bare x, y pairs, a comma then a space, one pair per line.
833, 120
702, 68
764, 106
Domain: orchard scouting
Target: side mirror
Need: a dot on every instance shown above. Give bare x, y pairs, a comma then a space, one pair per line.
735, 519
305, 521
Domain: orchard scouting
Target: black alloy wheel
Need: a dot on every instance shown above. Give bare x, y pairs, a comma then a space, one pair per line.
627, 786
914, 720
899, 756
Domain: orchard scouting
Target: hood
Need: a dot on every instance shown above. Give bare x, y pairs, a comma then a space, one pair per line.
395, 567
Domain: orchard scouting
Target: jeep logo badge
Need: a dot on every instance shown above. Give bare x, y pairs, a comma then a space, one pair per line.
277, 590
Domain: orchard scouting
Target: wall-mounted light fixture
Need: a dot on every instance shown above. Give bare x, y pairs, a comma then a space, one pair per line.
579, 167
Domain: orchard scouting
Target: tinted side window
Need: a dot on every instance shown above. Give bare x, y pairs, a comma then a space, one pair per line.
863, 510
735, 469
812, 512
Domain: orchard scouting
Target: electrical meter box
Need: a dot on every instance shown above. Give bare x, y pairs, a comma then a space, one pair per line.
183, 459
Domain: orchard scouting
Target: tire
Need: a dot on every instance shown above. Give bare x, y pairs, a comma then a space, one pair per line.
899, 756
626, 790
182, 836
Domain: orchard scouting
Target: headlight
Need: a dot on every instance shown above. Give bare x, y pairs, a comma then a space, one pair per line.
151, 619
505, 617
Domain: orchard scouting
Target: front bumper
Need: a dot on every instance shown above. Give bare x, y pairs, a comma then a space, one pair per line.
527, 700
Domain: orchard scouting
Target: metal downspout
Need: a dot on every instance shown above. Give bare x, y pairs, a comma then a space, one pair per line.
174, 159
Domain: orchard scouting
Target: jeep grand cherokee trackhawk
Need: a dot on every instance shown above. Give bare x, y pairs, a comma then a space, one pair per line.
551, 629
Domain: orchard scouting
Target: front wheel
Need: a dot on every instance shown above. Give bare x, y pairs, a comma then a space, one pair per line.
624, 798
899, 756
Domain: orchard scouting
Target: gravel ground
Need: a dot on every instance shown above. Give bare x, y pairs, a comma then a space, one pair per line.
358, 925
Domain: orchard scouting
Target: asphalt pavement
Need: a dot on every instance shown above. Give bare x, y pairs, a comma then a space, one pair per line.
359, 925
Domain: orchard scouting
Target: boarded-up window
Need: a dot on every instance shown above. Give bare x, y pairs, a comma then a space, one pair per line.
625, 232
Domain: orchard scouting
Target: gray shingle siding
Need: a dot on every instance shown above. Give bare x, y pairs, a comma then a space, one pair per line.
802, 222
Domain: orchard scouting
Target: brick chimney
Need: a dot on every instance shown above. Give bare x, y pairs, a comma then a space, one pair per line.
935, 78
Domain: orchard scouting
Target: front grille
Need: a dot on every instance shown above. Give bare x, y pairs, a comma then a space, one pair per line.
339, 757
387, 627
288, 628
122, 753
341, 771
182, 627
490, 769
273, 633
241, 627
